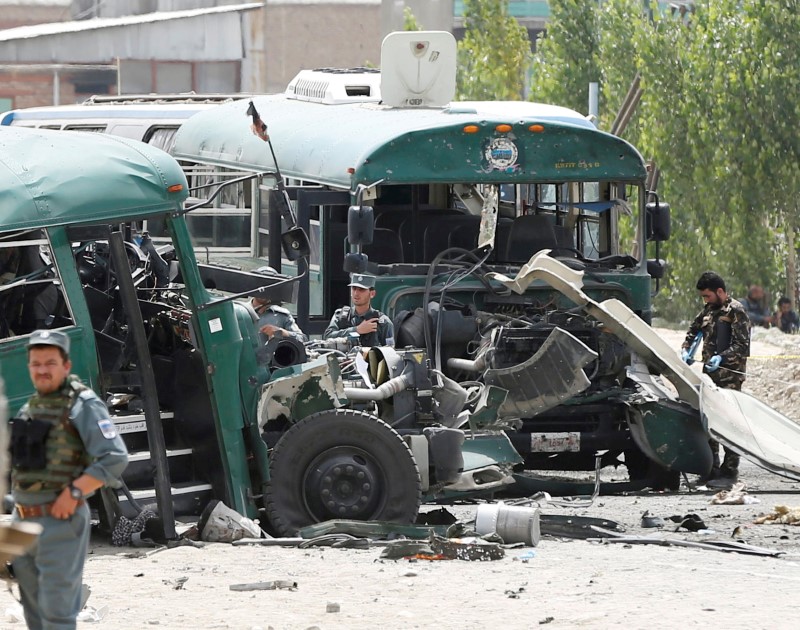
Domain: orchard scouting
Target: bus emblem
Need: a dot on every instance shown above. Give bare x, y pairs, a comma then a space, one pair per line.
502, 154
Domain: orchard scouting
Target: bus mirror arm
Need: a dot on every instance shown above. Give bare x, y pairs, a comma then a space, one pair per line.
260, 291
216, 192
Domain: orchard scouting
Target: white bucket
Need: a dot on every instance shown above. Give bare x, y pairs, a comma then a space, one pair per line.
513, 524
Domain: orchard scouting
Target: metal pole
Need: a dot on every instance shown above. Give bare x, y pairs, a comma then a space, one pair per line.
594, 92
144, 362
56, 88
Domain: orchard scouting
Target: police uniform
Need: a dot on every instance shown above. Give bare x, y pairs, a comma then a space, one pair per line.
713, 322
79, 438
279, 317
346, 319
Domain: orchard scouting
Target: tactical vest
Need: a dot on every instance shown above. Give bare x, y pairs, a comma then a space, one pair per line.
65, 455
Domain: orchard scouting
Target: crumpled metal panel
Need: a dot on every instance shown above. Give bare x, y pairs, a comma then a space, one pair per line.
741, 422
552, 375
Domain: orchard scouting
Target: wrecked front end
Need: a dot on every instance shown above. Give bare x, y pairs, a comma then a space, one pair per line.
369, 436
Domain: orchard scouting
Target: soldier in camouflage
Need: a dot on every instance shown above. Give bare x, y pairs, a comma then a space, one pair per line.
725, 329
64, 447
373, 327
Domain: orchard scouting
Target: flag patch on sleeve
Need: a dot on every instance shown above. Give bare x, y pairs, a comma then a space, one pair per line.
108, 429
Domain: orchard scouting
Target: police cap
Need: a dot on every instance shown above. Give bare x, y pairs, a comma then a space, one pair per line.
49, 338
362, 280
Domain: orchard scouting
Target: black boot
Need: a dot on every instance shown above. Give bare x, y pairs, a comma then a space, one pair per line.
727, 477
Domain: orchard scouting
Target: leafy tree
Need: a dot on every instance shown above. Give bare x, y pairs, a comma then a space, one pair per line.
410, 20
566, 58
494, 56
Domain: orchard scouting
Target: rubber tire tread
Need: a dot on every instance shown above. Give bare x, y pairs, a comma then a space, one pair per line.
307, 438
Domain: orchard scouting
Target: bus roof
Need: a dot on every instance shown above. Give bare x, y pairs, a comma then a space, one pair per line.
84, 113
348, 144
58, 177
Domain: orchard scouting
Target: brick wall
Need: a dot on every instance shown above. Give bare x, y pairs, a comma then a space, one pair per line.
33, 89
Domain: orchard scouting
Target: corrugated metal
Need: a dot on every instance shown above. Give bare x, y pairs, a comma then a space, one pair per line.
203, 34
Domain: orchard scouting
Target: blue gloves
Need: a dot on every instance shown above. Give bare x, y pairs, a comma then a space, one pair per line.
686, 357
713, 363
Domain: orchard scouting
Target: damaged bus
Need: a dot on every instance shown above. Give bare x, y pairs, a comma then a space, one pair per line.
173, 346
446, 203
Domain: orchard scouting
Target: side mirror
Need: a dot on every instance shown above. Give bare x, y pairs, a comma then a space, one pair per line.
295, 244
355, 263
657, 221
656, 268
360, 225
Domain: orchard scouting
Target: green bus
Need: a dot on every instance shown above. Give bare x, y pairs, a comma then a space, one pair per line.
172, 344
437, 200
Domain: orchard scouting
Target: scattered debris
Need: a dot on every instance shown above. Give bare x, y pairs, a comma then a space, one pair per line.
219, 523
177, 583
274, 585
690, 522
649, 521
737, 495
397, 549
378, 529
666, 540
467, 548
440, 516
580, 527
332, 607
546, 620
783, 515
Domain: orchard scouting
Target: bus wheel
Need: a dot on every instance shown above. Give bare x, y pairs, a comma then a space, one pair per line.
341, 464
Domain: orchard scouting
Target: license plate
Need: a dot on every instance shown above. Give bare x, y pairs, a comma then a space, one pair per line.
131, 427
555, 442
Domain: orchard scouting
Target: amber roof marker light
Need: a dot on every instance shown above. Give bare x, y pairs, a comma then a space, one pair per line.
471, 129
175, 188
503, 128
536, 128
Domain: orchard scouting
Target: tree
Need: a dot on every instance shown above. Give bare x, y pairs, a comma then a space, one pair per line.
410, 21
566, 58
494, 56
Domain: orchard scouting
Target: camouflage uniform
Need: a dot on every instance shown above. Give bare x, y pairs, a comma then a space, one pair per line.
345, 320
731, 372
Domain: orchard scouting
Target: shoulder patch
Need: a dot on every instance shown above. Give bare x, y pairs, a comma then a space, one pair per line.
107, 428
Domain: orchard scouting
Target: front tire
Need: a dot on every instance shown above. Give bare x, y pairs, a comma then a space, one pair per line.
341, 464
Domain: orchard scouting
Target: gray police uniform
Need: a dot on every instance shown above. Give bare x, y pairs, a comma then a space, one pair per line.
50, 573
280, 317
345, 320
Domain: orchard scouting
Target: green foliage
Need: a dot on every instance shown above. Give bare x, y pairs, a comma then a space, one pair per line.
567, 55
719, 115
494, 56
410, 20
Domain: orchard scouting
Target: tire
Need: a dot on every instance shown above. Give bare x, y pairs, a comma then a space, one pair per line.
316, 465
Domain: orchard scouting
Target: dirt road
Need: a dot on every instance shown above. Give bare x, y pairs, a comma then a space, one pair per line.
565, 584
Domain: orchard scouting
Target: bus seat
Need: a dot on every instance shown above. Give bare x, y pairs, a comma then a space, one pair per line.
565, 237
529, 234
437, 235
386, 247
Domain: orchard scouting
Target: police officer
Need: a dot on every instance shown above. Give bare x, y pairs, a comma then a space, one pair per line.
275, 320
725, 328
372, 326
64, 447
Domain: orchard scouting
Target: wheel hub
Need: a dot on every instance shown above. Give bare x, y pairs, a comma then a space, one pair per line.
343, 482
